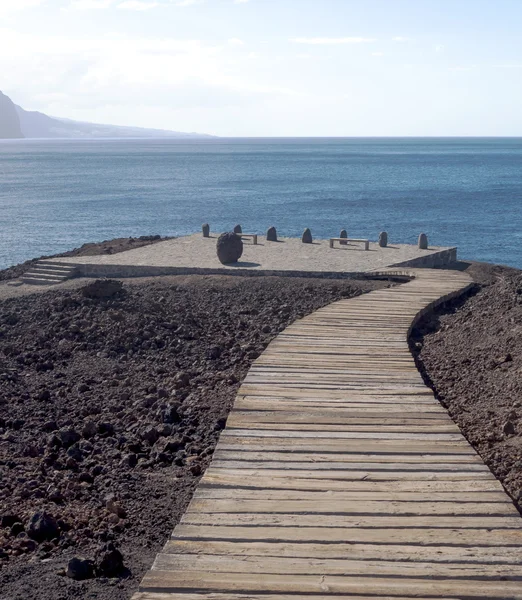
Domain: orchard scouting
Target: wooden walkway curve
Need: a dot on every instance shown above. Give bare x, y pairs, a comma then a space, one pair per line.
339, 474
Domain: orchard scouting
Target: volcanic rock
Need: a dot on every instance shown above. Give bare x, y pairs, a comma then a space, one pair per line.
307, 236
42, 527
271, 234
229, 248
80, 568
102, 288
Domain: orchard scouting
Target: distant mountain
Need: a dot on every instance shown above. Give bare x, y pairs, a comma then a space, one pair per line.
9, 121
15, 122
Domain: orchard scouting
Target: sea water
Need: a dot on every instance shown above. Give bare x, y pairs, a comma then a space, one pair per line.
56, 195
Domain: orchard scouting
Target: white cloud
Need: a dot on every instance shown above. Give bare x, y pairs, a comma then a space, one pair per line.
137, 5
241, 1
461, 68
377, 53
332, 41
8, 7
235, 42
91, 4
189, 2
120, 70
400, 38
439, 48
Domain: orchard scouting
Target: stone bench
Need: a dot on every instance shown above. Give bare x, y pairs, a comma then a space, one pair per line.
250, 235
340, 240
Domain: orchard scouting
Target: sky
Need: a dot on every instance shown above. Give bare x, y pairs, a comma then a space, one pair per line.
270, 67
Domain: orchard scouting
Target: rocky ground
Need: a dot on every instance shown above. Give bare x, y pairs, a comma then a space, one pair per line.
92, 249
110, 408
471, 354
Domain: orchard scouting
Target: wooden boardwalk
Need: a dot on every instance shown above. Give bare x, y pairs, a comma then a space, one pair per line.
339, 474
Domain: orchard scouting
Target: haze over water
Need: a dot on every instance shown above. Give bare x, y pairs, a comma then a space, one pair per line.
57, 195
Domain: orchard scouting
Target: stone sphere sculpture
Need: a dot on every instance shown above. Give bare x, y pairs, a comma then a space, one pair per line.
383, 239
205, 228
229, 248
307, 236
271, 234
343, 234
237, 229
423, 241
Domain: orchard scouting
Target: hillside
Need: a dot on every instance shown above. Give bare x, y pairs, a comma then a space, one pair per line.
9, 120
16, 122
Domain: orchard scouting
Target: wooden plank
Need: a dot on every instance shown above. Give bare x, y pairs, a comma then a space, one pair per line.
229, 596
369, 471
204, 492
352, 507
353, 521
264, 480
383, 459
332, 584
451, 552
305, 566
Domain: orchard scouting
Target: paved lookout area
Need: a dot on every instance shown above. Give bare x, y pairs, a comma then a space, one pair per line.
194, 253
339, 475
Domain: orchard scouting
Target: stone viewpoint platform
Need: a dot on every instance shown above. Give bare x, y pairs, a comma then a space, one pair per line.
339, 475
288, 256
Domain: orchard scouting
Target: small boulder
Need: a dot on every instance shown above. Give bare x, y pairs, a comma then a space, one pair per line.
271, 234
238, 229
423, 241
109, 560
508, 428
102, 289
307, 236
343, 234
205, 229
68, 437
42, 527
383, 239
89, 429
229, 248
80, 568
150, 435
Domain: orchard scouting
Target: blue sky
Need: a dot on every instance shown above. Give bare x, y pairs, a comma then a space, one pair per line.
270, 67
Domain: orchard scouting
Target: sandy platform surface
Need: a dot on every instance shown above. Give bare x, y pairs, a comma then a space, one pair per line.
287, 254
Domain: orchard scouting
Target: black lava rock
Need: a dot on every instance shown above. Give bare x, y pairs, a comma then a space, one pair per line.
109, 560
80, 568
229, 248
42, 527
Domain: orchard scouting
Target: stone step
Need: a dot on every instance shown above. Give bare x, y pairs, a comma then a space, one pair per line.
52, 267
37, 280
48, 273
45, 270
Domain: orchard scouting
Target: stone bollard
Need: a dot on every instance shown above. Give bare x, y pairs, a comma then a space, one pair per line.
237, 229
229, 247
307, 236
343, 234
271, 234
383, 239
423, 241
205, 228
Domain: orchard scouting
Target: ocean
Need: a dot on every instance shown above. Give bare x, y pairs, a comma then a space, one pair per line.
466, 192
